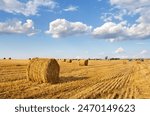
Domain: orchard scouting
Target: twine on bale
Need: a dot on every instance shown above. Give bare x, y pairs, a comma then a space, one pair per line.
43, 70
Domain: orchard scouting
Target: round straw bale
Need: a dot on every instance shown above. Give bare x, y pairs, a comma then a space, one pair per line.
68, 60
83, 63
43, 70
64, 60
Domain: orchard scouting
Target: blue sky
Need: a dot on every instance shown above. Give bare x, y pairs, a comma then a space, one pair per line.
74, 28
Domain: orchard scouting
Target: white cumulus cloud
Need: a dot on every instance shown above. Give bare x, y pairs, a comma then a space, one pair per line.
110, 31
17, 27
30, 7
144, 52
120, 50
63, 28
113, 15
141, 7
121, 31
71, 8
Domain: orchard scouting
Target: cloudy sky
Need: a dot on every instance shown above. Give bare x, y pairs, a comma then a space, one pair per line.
74, 28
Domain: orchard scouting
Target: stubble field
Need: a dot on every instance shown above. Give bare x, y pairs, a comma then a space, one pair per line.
99, 80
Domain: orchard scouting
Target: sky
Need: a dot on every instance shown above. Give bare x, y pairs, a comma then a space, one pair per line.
75, 28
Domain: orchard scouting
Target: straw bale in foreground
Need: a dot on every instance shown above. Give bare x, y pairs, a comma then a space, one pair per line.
43, 70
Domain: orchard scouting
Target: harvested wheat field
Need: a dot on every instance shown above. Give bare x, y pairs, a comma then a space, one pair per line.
100, 79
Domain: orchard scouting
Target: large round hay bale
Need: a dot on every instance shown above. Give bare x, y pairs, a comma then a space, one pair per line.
83, 63
68, 60
43, 70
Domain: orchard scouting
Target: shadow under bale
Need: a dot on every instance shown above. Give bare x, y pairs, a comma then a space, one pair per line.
71, 78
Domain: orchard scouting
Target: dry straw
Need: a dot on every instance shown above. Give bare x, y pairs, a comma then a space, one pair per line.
124, 62
83, 63
43, 70
68, 60
138, 62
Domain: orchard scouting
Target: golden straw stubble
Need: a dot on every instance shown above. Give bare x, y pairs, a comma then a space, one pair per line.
43, 70
124, 62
